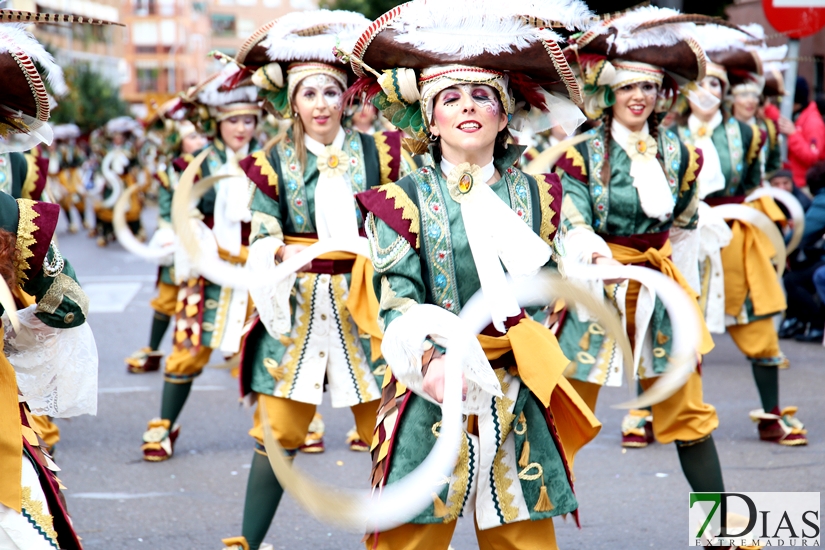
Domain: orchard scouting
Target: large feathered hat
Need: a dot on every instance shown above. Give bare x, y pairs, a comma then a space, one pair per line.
414, 51
27, 67
214, 100
279, 55
732, 58
646, 44
772, 59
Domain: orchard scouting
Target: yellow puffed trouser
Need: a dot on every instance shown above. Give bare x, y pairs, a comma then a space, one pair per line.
166, 299
522, 535
290, 420
757, 340
183, 366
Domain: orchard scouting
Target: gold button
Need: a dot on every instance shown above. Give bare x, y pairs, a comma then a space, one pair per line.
323, 316
317, 386
68, 318
322, 354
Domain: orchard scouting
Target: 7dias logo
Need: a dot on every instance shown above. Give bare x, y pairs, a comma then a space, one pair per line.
754, 519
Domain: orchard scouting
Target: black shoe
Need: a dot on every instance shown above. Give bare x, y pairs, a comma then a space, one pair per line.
790, 328
810, 335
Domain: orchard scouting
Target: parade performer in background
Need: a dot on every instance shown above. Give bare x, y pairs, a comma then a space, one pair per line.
319, 328
630, 198
118, 169
181, 140
739, 287
450, 229
49, 360
70, 158
209, 316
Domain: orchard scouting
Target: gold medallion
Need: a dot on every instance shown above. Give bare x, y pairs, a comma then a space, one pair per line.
465, 183
641, 146
332, 162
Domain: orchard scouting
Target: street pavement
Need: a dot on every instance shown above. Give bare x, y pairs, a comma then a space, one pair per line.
628, 499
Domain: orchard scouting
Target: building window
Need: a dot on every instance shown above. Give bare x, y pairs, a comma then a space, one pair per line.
145, 7
147, 80
223, 25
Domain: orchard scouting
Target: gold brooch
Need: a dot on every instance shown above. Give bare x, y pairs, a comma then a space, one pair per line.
465, 183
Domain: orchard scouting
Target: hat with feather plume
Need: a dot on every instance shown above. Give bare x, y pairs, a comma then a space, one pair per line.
27, 69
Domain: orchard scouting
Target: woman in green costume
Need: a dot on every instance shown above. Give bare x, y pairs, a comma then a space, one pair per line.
210, 314
630, 198
447, 231
316, 329
739, 287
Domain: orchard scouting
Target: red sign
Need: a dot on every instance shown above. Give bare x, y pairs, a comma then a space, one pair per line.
795, 18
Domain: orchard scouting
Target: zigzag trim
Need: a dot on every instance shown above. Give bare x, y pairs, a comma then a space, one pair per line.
41, 98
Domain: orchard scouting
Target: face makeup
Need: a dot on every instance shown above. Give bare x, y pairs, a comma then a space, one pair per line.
634, 104
467, 118
318, 101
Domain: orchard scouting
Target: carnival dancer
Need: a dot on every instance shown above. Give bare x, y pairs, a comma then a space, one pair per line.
118, 168
181, 139
450, 229
70, 158
48, 344
630, 199
320, 330
750, 91
740, 291
210, 316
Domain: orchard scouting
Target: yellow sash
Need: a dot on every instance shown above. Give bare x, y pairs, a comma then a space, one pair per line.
660, 259
748, 267
11, 441
541, 362
362, 302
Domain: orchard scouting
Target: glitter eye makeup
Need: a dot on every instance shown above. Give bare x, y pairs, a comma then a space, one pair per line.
483, 96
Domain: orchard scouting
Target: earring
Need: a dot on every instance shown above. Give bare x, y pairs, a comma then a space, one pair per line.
432, 137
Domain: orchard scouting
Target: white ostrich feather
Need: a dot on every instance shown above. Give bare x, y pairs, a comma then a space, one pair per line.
284, 44
714, 38
212, 96
13, 36
773, 58
664, 35
754, 29
485, 26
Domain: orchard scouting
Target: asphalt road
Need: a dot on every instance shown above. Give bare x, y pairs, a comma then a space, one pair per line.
632, 499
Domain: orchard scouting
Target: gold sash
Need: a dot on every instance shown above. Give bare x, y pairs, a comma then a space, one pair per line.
541, 364
660, 259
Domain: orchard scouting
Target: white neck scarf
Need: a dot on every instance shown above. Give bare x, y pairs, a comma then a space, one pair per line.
496, 235
649, 179
711, 178
334, 203
232, 202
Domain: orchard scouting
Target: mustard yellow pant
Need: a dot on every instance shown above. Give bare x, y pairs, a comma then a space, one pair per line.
522, 535
166, 299
289, 420
757, 340
684, 416
183, 366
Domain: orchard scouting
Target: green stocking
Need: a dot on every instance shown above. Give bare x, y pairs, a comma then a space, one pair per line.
263, 494
767, 382
174, 398
700, 463
160, 323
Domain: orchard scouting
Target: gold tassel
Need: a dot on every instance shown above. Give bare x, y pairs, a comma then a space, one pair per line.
584, 343
440, 509
525, 455
543, 504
